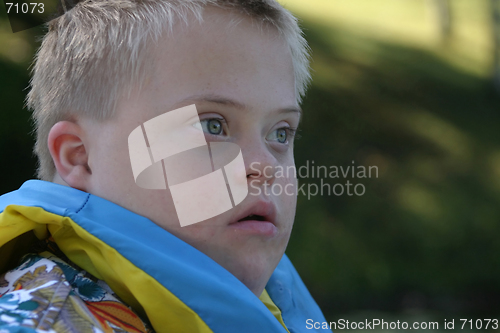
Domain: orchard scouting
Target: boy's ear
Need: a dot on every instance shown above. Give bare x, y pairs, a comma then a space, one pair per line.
70, 156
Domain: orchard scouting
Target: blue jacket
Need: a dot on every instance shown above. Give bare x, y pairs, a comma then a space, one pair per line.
162, 278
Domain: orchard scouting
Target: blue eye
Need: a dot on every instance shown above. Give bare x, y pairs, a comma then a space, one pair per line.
213, 126
281, 135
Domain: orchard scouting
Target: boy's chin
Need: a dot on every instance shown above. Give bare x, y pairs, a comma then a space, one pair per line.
254, 270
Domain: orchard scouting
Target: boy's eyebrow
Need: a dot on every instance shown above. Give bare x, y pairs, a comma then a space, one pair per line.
217, 99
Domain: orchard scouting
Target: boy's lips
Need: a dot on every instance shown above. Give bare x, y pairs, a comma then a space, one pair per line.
257, 218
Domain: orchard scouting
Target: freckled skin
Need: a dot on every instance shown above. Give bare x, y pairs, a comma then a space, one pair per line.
243, 63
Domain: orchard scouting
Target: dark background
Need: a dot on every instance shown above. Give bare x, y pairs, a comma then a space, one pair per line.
400, 85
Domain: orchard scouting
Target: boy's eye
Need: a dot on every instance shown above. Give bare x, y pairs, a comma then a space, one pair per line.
281, 135
213, 126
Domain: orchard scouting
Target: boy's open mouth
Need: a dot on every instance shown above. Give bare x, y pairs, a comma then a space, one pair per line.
260, 211
259, 219
253, 217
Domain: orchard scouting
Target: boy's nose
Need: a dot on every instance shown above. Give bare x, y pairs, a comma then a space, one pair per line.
260, 165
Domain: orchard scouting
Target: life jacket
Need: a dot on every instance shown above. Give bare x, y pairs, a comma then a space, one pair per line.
162, 278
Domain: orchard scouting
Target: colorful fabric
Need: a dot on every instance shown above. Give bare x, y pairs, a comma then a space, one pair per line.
46, 294
175, 286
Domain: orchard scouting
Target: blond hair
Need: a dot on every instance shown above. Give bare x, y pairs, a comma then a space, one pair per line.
93, 53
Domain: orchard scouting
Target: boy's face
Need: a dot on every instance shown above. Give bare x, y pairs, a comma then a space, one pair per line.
242, 77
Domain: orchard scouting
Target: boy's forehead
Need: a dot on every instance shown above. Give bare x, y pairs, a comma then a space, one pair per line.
229, 102
217, 62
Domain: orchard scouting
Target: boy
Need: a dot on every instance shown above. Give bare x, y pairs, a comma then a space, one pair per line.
96, 241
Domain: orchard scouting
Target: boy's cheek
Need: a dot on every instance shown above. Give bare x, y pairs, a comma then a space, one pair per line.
289, 199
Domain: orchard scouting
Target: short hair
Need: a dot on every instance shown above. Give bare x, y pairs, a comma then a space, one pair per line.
93, 53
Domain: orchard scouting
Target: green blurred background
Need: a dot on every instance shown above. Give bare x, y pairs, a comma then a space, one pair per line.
404, 85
